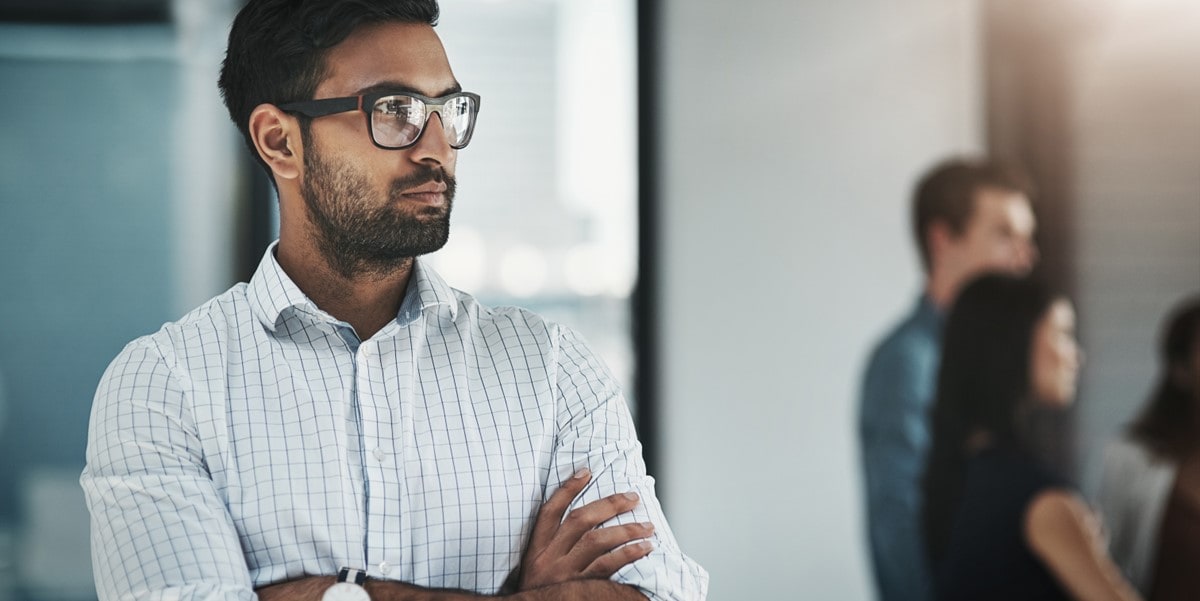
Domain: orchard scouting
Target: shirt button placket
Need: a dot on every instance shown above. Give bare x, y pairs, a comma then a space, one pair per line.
366, 413
377, 454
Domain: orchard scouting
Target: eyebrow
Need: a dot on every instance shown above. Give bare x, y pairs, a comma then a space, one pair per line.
402, 88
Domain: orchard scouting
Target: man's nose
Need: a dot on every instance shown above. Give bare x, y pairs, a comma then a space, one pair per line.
434, 144
1027, 255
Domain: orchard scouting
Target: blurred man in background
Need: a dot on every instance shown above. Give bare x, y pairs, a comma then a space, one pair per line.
969, 217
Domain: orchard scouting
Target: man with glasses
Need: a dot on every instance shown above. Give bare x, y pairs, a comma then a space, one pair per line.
969, 217
346, 425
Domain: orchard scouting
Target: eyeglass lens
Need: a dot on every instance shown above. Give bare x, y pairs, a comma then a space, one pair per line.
398, 120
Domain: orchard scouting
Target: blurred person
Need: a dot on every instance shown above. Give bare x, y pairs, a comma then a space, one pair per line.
998, 522
969, 216
1150, 489
345, 425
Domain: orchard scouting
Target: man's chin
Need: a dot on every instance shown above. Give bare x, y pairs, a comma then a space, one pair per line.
430, 214
421, 215
414, 248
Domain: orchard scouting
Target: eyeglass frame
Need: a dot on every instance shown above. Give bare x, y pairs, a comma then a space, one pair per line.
331, 106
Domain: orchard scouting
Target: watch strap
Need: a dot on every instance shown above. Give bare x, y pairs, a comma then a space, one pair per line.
352, 575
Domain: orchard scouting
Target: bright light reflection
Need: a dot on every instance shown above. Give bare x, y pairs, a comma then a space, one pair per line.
582, 269
593, 269
523, 271
463, 260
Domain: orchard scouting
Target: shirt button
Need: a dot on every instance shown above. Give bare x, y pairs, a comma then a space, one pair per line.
384, 568
380, 456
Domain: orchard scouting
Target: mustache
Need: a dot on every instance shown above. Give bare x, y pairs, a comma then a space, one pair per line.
423, 175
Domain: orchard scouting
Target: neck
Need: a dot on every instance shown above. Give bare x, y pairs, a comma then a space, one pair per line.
367, 299
941, 288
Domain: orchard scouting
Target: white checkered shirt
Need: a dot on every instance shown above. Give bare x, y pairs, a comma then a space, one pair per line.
257, 440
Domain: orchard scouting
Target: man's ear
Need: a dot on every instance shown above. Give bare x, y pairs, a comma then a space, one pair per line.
938, 237
276, 137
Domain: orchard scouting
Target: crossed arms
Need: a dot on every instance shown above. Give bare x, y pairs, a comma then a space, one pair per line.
567, 560
174, 509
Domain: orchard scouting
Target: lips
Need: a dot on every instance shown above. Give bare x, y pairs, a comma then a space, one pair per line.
431, 193
429, 188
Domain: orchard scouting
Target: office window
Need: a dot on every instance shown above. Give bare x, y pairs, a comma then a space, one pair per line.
546, 212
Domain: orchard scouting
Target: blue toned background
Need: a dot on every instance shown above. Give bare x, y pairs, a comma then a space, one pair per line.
85, 248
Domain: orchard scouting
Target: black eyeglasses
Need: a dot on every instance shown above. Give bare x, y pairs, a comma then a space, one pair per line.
397, 120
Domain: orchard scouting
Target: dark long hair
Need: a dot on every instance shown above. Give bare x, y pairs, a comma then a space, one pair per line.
983, 385
1167, 424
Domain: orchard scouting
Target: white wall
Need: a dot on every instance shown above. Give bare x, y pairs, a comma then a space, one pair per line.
792, 133
1135, 95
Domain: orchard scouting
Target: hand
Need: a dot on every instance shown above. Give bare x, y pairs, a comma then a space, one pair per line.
575, 549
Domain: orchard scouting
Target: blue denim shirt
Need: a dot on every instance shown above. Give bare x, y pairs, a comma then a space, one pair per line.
897, 393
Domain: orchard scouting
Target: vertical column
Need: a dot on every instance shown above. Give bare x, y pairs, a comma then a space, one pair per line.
203, 178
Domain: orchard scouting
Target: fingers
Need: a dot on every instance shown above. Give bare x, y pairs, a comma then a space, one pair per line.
551, 513
602, 540
597, 554
606, 565
586, 518
597, 544
575, 546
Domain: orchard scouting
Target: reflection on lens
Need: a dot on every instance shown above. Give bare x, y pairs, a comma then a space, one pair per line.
457, 115
397, 121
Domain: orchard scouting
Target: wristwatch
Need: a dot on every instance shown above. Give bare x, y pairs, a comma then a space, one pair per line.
349, 587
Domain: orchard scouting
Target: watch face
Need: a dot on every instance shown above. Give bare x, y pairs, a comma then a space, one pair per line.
346, 591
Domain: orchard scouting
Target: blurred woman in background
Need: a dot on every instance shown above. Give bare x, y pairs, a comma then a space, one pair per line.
998, 523
1150, 492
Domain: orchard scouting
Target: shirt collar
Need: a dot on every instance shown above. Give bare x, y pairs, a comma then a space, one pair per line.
426, 289
927, 312
271, 293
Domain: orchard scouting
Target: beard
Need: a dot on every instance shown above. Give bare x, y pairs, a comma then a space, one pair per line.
359, 237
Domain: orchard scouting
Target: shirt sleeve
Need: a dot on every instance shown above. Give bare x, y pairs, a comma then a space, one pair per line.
595, 429
895, 437
159, 528
1132, 497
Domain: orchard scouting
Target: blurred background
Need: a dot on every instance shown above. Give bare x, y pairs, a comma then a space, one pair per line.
714, 193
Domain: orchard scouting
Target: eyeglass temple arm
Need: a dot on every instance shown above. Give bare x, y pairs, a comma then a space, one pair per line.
325, 106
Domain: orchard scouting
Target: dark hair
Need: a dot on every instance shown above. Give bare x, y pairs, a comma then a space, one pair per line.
984, 384
947, 193
1167, 424
277, 48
